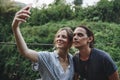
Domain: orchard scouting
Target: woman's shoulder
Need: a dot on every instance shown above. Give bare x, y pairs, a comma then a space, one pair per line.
45, 53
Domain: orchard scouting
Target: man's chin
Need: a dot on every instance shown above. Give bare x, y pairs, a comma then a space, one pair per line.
76, 46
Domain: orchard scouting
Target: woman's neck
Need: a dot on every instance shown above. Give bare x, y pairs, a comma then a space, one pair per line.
62, 53
63, 58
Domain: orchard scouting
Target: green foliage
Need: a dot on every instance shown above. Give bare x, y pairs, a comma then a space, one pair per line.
7, 11
105, 10
78, 2
5, 6
53, 13
59, 2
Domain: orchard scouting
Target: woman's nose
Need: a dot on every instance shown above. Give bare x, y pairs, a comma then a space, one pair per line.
59, 38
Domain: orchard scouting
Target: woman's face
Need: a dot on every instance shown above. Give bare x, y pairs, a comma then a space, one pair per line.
61, 40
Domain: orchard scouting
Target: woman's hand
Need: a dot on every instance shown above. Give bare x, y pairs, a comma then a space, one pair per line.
21, 16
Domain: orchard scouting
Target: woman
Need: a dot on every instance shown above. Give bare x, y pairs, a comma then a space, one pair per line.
56, 65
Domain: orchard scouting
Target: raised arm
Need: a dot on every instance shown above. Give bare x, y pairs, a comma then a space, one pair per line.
19, 18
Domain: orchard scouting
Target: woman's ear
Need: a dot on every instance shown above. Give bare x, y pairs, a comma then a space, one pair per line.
90, 39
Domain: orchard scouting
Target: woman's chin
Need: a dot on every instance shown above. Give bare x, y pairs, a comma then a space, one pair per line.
60, 47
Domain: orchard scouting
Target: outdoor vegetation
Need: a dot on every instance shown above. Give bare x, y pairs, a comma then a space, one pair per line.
103, 19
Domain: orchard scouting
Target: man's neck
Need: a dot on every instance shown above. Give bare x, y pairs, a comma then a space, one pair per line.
84, 53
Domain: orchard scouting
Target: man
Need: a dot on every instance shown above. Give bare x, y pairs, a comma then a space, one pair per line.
91, 63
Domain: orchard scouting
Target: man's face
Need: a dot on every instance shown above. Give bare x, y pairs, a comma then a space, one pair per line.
80, 38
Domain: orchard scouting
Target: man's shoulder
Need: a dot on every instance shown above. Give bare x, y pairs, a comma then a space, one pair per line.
98, 52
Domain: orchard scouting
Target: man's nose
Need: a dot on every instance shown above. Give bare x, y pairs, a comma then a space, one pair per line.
75, 37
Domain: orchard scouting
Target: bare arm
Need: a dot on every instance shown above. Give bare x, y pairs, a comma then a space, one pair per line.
19, 18
114, 76
76, 76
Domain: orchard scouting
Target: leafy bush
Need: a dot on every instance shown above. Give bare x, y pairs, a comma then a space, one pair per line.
52, 13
